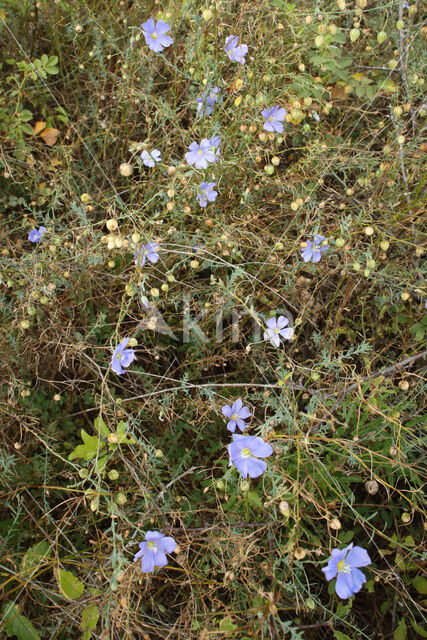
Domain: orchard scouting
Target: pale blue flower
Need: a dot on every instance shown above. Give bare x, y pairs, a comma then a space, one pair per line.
200, 155
206, 193
155, 34
36, 235
206, 102
277, 328
237, 414
245, 452
145, 252
215, 143
345, 563
150, 158
313, 250
122, 357
153, 550
274, 118
235, 52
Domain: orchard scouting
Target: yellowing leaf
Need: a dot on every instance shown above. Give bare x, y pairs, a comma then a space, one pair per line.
69, 585
39, 126
50, 136
389, 86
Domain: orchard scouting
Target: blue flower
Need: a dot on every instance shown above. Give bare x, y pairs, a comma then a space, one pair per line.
200, 155
215, 143
206, 193
122, 357
237, 414
313, 251
150, 158
205, 103
235, 52
273, 119
316, 116
346, 563
144, 252
155, 34
276, 328
245, 452
36, 235
153, 550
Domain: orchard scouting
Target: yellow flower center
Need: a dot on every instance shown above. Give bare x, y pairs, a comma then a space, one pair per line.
152, 546
343, 567
200, 152
234, 416
245, 453
270, 118
276, 330
154, 36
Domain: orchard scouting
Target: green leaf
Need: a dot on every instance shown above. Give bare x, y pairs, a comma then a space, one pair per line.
69, 585
255, 501
88, 450
17, 625
400, 631
101, 464
419, 630
420, 585
99, 423
90, 617
35, 556
338, 635
25, 115
227, 625
339, 36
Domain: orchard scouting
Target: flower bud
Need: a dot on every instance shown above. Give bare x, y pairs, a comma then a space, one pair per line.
335, 524
371, 487
284, 508
404, 385
112, 224
126, 169
369, 231
85, 197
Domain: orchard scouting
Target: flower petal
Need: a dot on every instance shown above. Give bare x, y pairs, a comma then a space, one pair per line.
255, 467
147, 562
344, 585
168, 544
358, 557
227, 411
260, 448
